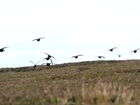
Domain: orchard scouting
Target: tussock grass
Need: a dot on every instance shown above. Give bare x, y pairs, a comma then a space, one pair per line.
83, 83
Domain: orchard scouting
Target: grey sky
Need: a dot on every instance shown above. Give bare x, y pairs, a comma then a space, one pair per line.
70, 27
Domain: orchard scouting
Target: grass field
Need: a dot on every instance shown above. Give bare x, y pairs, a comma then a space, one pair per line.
83, 83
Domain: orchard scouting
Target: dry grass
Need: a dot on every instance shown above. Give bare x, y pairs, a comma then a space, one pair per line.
84, 83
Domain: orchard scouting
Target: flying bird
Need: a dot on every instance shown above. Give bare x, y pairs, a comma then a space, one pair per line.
48, 64
111, 49
35, 65
38, 39
76, 56
2, 49
119, 55
100, 57
135, 51
49, 56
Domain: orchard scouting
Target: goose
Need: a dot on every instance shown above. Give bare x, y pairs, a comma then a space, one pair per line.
76, 56
2, 49
135, 51
49, 56
111, 49
38, 39
100, 57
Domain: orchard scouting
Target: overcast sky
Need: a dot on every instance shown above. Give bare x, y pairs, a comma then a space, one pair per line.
70, 27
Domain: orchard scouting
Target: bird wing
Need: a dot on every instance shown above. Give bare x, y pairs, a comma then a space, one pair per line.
131, 51
134, 50
31, 61
53, 57
114, 48
38, 38
49, 55
103, 57
43, 59
111, 48
45, 53
51, 61
107, 50
37, 62
138, 49
73, 56
34, 39
80, 55
41, 38
4, 47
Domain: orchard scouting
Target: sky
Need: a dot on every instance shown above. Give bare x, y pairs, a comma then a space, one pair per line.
70, 27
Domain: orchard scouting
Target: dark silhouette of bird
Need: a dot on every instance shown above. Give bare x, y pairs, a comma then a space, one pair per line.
38, 39
135, 51
48, 64
111, 49
119, 55
49, 56
2, 49
100, 57
35, 65
76, 56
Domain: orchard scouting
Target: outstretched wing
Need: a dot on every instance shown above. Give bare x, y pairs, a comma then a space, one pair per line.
41, 38
51, 61
31, 61
43, 59
73, 56
102, 56
34, 39
45, 53
38, 38
37, 62
49, 55
111, 48
138, 49
80, 55
4, 47
53, 57
131, 51
114, 48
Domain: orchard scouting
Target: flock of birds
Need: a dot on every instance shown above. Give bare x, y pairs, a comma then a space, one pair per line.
49, 57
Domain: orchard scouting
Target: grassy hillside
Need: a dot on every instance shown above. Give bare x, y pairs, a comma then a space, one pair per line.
83, 83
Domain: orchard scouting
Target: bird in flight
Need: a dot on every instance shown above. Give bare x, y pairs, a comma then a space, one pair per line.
119, 55
100, 57
49, 56
111, 49
76, 56
135, 51
38, 39
48, 64
35, 65
2, 49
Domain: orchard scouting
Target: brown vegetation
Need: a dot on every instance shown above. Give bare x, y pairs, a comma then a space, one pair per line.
83, 83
